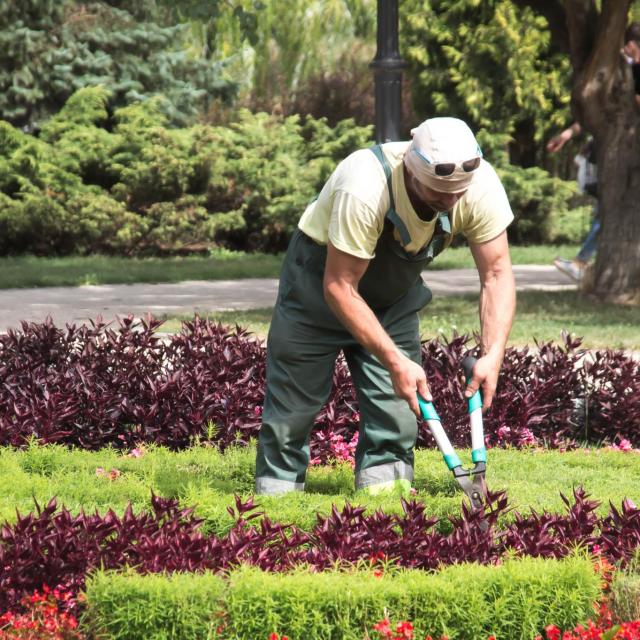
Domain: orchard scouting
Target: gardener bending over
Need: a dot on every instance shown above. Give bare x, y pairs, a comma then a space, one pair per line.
351, 281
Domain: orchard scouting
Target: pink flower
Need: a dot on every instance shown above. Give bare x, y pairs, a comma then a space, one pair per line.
527, 438
504, 432
625, 445
383, 627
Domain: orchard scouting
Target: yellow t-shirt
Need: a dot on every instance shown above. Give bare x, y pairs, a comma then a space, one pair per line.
353, 203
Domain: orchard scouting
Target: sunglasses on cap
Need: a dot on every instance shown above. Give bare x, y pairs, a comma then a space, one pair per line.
444, 169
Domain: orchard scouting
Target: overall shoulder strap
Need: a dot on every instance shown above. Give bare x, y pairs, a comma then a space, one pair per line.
377, 152
391, 214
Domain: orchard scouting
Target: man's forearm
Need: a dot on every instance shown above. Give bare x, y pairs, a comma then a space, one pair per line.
497, 309
358, 318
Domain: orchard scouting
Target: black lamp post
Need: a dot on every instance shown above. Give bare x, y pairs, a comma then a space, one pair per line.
387, 67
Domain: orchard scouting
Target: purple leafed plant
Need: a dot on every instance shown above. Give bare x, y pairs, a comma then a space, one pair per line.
54, 547
90, 386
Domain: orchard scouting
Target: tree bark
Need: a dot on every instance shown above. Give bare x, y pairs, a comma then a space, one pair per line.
603, 101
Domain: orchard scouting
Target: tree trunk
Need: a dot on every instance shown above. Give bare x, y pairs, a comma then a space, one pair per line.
603, 99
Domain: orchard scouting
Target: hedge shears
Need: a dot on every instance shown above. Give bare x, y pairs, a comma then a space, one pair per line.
471, 481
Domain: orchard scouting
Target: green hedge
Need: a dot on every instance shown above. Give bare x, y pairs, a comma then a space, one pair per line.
126, 183
514, 600
155, 606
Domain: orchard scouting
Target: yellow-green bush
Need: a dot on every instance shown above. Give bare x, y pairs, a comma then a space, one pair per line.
512, 601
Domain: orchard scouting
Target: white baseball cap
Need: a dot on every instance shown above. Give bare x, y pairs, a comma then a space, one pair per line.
443, 154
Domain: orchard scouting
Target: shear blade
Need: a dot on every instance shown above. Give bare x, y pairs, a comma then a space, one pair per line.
473, 489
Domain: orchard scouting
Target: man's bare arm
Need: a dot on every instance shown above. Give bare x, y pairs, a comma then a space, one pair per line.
342, 275
497, 309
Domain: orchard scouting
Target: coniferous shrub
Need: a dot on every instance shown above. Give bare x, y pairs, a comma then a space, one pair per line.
52, 49
127, 183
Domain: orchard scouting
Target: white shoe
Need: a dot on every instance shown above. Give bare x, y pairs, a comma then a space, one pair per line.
569, 268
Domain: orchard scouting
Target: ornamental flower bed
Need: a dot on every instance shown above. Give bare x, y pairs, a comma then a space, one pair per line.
97, 385
53, 546
42, 617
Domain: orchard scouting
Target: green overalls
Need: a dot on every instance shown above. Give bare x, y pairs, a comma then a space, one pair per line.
305, 338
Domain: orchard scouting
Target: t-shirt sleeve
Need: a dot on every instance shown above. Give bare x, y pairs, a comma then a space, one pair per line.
489, 212
354, 227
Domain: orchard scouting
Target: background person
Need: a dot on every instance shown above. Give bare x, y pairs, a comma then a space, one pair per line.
351, 282
586, 162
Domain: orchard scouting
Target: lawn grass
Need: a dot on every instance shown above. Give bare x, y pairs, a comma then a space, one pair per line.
204, 478
541, 315
31, 271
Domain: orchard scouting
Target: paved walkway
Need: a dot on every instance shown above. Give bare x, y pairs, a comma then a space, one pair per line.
77, 304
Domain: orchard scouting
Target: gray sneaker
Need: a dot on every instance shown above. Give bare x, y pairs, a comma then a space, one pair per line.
569, 268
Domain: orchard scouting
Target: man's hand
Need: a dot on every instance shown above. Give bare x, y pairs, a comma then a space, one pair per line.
485, 377
408, 378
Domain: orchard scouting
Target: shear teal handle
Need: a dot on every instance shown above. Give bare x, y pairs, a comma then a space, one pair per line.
474, 408
430, 414
427, 409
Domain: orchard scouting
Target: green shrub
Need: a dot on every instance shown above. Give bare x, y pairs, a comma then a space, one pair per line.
625, 592
129, 184
538, 201
570, 226
183, 606
513, 600
493, 65
51, 49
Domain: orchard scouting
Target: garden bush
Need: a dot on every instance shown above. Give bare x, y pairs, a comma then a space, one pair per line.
54, 547
95, 385
208, 480
51, 49
127, 183
124, 182
513, 600
184, 606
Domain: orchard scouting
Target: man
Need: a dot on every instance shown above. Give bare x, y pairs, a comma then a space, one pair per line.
351, 281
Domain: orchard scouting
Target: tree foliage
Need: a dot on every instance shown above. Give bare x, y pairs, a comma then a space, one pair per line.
274, 48
51, 48
490, 63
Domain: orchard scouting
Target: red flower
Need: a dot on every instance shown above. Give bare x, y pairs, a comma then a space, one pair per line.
553, 633
405, 629
383, 628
